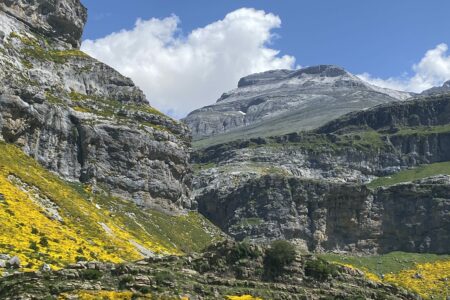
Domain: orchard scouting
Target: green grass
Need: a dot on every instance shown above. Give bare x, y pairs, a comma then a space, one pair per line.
421, 172
251, 222
424, 130
382, 264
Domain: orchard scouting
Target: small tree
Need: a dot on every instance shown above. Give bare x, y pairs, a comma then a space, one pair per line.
320, 269
280, 255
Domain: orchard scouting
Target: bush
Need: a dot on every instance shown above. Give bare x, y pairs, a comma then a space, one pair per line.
320, 269
243, 250
43, 242
91, 274
280, 254
125, 280
164, 277
34, 246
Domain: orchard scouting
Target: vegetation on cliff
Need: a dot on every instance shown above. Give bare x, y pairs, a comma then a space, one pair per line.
45, 220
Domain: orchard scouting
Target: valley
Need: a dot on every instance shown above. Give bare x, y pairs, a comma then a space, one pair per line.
299, 184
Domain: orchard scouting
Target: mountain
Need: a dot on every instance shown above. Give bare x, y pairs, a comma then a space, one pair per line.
281, 101
315, 187
79, 117
88, 169
445, 88
371, 182
100, 193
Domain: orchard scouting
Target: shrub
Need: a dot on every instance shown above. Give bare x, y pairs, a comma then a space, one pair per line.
80, 258
320, 269
163, 277
243, 250
125, 280
280, 254
34, 246
43, 241
91, 274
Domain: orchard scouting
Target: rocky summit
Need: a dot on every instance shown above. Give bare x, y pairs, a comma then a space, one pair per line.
280, 101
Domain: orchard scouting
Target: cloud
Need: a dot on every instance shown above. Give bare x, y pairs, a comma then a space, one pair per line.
180, 73
432, 70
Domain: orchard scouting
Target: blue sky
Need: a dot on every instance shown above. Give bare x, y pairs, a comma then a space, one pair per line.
383, 38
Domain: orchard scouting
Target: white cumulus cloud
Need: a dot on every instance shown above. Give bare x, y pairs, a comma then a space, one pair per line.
180, 73
432, 70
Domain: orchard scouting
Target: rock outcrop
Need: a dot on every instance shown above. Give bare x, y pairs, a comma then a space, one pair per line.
60, 19
311, 187
323, 216
281, 101
224, 270
79, 117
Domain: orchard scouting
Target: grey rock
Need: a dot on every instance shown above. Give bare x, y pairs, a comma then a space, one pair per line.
310, 187
445, 88
46, 268
4, 257
82, 119
281, 101
330, 216
223, 268
14, 263
62, 19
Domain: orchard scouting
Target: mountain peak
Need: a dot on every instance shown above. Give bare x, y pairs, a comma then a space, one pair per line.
278, 75
445, 88
322, 70
61, 19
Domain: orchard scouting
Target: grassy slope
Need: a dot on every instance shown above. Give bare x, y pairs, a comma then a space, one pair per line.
421, 172
399, 268
93, 227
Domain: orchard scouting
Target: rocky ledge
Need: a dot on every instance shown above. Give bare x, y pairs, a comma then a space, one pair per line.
224, 269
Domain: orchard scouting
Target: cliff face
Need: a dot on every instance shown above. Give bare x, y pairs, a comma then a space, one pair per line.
311, 187
79, 117
323, 216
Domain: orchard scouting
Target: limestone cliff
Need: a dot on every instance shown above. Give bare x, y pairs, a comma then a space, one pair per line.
80, 118
312, 187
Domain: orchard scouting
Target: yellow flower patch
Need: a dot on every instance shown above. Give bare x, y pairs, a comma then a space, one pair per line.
427, 280
243, 297
84, 229
99, 295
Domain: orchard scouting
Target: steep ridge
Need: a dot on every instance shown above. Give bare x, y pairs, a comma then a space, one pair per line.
276, 102
46, 221
311, 187
79, 117
88, 169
